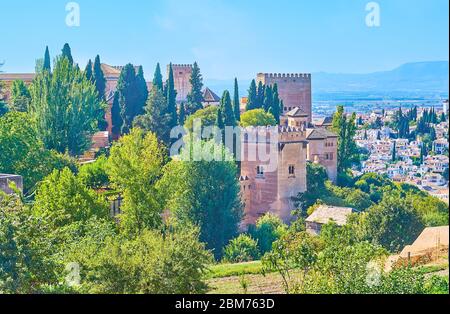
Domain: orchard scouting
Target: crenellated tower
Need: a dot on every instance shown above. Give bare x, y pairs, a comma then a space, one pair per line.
294, 89
182, 76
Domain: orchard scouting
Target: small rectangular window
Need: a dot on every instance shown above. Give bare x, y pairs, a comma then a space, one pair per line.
291, 170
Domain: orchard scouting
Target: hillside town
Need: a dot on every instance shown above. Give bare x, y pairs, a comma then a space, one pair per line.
418, 160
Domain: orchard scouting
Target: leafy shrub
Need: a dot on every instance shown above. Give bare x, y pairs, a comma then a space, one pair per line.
242, 249
268, 229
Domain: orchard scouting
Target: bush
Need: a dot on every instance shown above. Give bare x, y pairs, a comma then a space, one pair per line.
94, 175
257, 117
150, 263
242, 249
268, 229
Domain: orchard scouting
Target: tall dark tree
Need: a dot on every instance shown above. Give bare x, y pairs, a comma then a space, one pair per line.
182, 115
158, 79
219, 121
142, 89
116, 117
252, 101
236, 102
268, 98
394, 152
227, 110
47, 63
67, 53
276, 104
88, 71
195, 97
129, 97
155, 117
171, 98
345, 128
99, 77
260, 95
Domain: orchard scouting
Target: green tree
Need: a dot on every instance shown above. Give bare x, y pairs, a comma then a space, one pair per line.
393, 223
116, 118
394, 152
195, 97
236, 102
207, 116
252, 102
67, 53
88, 71
345, 128
260, 96
47, 63
242, 249
94, 175
134, 167
229, 118
158, 79
182, 115
99, 78
20, 97
63, 199
268, 98
205, 193
65, 106
276, 108
268, 229
257, 117
156, 119
171, 96
131, 96
150, 263
23, 153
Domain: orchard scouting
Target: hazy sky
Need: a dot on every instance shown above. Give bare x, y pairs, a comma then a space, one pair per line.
228, 37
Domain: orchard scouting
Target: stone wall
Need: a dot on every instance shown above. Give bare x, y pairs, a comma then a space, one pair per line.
324, 152
182, 76
294, 90
6, 179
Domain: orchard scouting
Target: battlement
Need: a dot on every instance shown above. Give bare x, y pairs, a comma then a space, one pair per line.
182, 66
286, 75
270, 134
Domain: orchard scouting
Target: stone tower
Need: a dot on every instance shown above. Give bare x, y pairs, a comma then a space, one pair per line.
182, 76
270, 189
294, 90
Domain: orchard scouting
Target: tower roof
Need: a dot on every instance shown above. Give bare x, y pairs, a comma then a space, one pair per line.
210, 96
319, 134
296, 112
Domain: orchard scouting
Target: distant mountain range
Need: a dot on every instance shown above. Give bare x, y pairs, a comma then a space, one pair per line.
411, 79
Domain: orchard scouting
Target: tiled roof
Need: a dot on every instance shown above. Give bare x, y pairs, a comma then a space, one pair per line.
296, 112
319, 134
210, 96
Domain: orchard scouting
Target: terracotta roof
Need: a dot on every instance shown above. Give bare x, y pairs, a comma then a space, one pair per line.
324, 214
325, 121
319, 134
210, 96
296, 112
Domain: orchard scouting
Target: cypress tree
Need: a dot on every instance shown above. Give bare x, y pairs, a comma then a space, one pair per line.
47, 63
219, 120
252, 97
67, 53
195, 97
142, 90
171, 97
158, 79
88, 71
260, 96
443, 117
394, 152
236, 102
182, 115
116, 118
99, 77
128, 97
227, 110
268, 98
276, 106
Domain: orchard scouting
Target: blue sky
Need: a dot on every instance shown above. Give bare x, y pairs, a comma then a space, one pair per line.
229, 37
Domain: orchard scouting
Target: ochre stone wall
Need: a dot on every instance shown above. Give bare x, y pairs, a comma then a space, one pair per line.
294, 90
182, 75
